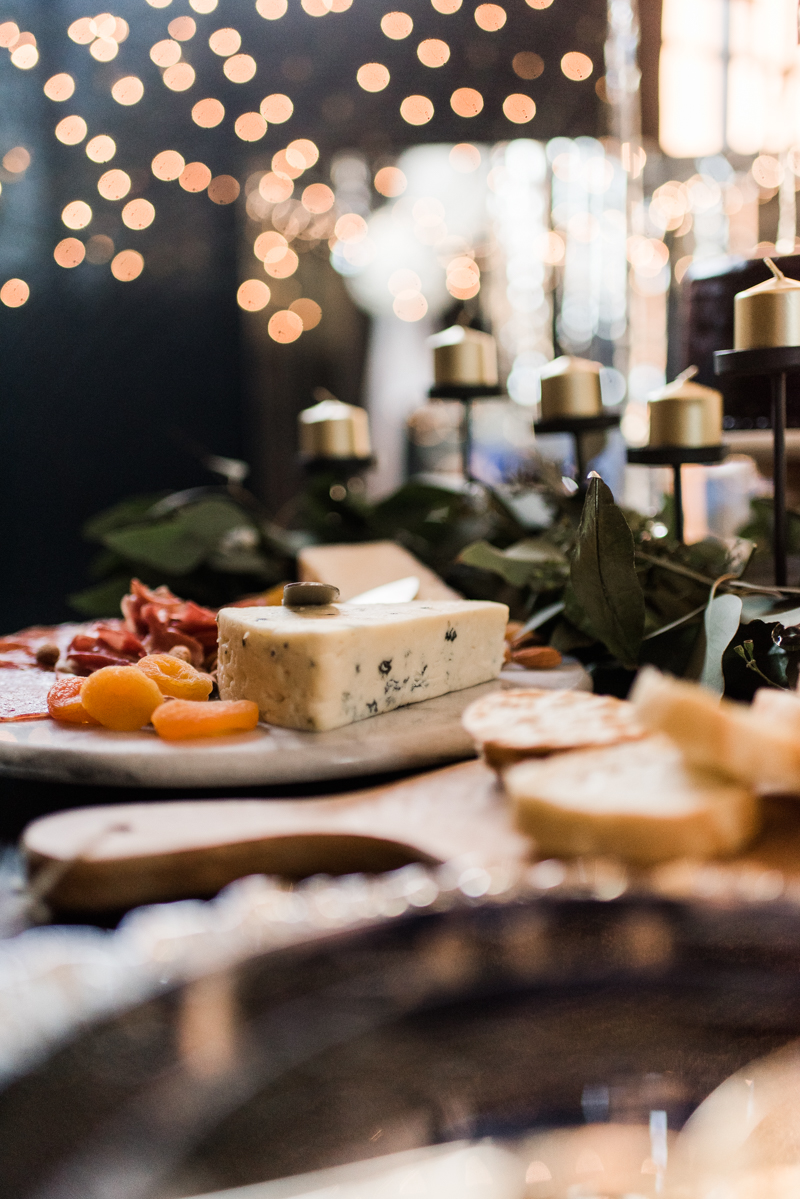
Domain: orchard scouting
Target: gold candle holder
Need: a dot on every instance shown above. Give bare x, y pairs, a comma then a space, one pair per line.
571, 387
332, 429
464, 357
768, 314
685, 413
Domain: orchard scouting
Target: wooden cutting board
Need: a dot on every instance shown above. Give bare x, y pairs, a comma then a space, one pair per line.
113, 857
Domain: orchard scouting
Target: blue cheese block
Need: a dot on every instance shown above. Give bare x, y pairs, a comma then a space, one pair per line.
319, 668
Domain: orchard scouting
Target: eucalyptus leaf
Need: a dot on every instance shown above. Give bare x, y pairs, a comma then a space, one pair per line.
603, 575
533, 562
721, 622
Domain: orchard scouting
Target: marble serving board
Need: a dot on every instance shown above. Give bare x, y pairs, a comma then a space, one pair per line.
415, 737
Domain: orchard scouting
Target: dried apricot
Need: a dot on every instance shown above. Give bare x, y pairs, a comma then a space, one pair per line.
120, 697
64, 701
175, 677
181, 719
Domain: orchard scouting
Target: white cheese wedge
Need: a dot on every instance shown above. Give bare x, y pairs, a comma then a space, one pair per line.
637, 801
319, 668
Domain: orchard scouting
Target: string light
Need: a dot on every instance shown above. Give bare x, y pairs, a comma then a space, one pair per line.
138, 214
223, 189
240, 68
71, 130
113, 185
397, 25
390, 181
577, 66
127, 265
309, 312
519, 108
76, 215
70, 252
250, 126
373, 77
128, 90
195, 177
253, 295
179, 78
271, 10
284, 326
101, 148
168, 165
466, 102
208, 113
14, 293
59, 87
416, 110
276, 109
433, 52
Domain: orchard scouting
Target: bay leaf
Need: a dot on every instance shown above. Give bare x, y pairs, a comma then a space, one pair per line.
603, 574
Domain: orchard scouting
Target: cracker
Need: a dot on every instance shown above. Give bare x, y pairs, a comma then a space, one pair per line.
525, 723
637, 801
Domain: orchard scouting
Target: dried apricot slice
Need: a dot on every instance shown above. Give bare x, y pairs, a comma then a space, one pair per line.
182, 719
175, 677
120, 697
64, 701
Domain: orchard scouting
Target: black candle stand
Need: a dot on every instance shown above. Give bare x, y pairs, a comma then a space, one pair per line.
774, 363
677, 456
466, 393
577, 426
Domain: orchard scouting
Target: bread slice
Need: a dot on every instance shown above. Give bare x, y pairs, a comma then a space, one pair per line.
759, 746
527, 723
639, 802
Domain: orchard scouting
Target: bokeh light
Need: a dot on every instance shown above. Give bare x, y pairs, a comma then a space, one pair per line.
59, 87
538, 3
203, 6
127, 265
25, 55
70, 252
159, 3
104, 49
284, 326
240, 69
195, 177
99, 249
309, 312
275, 188
416, 110
121, 30
285, 266
351, 227
128, 90
165, 53
317, 8
271, 10
446, 6
397, 25
9, 32
466, 102
179, 78
17, 160
767, 171
182, 28
208, 113
14, 293
138, 214
433, 52
519, 108
527, 65
404, 280
577, 66
250, 126
253, 295
465, 158
76, 215
373, 77
225, 42
101, 148
490, 17
270, 246
168, 165
305, 151
223, 189
103, 25
71, 130
318, 198
276, 108
410, 305
390, 181
113, 185
282, 165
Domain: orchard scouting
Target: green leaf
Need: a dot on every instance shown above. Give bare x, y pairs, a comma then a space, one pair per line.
533, 562
721, 622
127, 512
180, 543
103, 599
603, 575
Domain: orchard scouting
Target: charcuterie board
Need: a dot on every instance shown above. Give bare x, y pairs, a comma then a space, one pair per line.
415, 737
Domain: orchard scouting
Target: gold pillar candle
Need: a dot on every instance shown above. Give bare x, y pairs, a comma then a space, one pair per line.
767, 314
332, 429
571, 387
685, 413
464, 357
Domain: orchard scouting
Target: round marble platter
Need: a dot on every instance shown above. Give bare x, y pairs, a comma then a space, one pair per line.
418, 736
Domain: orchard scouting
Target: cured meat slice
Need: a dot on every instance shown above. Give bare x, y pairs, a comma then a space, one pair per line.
23, 694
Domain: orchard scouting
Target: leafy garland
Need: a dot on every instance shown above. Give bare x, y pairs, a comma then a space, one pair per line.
596, 580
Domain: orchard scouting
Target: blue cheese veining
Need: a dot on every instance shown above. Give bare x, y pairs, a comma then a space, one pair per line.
319, 668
